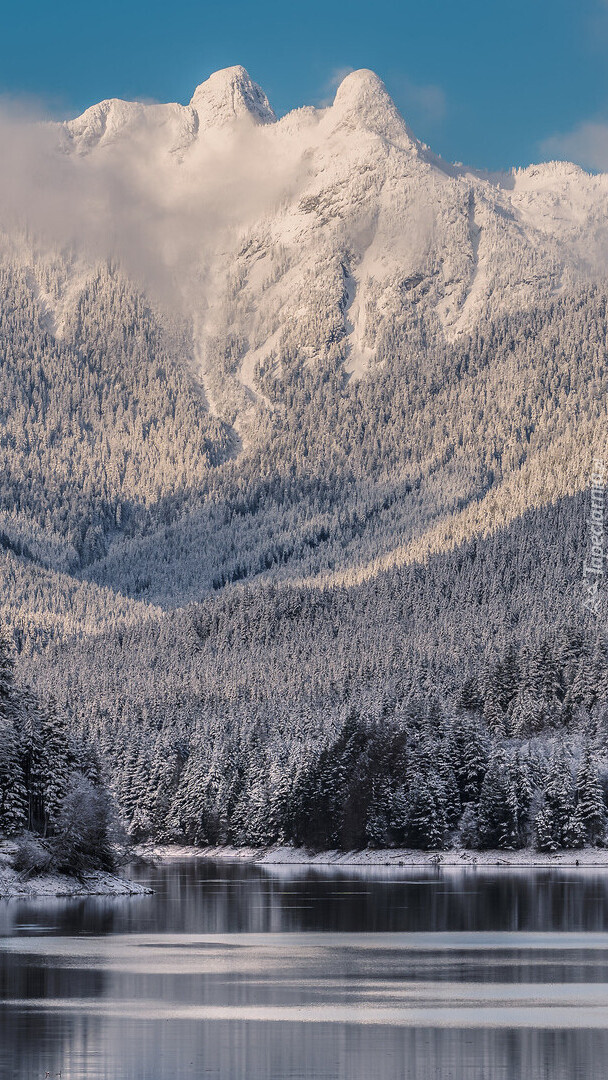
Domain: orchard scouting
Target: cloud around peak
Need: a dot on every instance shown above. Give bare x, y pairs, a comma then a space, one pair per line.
586, 145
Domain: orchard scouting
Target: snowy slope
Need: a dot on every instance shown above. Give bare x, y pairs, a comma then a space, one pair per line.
328, 230
289, 260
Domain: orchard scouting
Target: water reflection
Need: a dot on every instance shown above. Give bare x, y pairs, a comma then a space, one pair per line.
196, 895
238, 971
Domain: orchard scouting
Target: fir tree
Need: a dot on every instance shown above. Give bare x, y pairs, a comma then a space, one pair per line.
590, 806
498, 811
426, 812
13, 792
57, 763
557, 825
473, 742
32, 757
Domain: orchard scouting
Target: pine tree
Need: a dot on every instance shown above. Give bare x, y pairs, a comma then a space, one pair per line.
279, 807
590, 806
506, 679
546, 833
7, 683
444, 762
377, 828
426, 812
13, 792
469, 827
473, 743
494, 716
154, 812
583, 689
498, 811
57, 763
397, 813
557, 825
32, 757
524, 791
527, 712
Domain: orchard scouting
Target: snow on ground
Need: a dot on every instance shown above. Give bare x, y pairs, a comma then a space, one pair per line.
286, 856
15, 885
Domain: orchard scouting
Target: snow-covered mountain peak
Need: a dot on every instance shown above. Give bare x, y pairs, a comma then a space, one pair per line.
231, 94
102, 123
113, 123
336, 216
361, 86
362, 100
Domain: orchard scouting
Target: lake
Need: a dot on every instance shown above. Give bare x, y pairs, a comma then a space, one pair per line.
249, 972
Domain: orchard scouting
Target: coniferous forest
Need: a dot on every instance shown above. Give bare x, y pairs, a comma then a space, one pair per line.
52, 794
519, 758
326, 611
267, 715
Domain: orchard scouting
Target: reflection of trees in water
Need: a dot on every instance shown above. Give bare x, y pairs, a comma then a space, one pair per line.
204, 896
241, 1050
198, 897
449, 1054
454, 901
74, 915
39, 1038
271, 1051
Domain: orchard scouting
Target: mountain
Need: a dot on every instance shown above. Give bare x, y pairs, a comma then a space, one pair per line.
337, 213
296, 418
305, 302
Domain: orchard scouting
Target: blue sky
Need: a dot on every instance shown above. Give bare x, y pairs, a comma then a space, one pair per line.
489, 84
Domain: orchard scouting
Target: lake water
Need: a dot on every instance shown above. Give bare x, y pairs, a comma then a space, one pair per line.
259, 973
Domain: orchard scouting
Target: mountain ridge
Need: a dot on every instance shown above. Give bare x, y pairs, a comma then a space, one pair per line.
258, 300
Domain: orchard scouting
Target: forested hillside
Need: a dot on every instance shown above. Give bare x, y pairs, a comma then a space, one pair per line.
295, 495
116, 473
226, 721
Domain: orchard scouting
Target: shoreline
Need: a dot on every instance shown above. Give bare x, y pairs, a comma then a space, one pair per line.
282, 855
98, 883
19, 886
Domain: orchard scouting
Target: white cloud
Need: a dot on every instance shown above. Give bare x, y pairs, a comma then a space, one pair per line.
132, 201
587, 145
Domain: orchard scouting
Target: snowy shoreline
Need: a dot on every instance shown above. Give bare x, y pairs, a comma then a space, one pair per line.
17, 886
391, 857
14, 887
